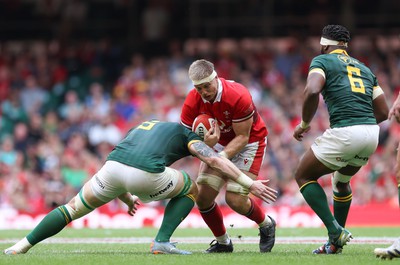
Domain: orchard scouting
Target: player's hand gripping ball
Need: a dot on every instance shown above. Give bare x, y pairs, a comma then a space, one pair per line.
202, 124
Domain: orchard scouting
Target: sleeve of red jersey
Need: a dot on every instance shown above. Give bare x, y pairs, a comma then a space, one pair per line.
188, 113
244, 108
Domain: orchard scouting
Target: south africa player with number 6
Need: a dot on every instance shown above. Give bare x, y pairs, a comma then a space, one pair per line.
356, 104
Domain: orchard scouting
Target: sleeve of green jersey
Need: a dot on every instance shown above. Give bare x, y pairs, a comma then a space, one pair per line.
317, 63
192, 137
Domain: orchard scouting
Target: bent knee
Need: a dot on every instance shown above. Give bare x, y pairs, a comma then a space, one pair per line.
203, 201
213, 181
78, 207
205, 197
299, 178
238, 202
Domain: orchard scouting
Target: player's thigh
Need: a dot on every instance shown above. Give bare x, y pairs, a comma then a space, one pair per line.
87, 195
107, 183
310, 168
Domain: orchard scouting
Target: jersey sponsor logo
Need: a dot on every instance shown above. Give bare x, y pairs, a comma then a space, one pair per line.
101, 185
339, 159
162, 191
201, 132
365, 158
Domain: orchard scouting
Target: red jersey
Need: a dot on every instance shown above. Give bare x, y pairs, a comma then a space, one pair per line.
232, 104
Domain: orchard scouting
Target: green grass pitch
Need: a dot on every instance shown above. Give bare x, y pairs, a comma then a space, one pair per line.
118, 247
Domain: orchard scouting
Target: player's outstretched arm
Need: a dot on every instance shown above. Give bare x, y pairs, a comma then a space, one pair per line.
224, 166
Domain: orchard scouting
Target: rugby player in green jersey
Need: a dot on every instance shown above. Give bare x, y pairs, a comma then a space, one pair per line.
356, 104
138, 168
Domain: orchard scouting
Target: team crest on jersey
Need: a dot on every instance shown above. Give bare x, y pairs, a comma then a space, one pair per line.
226, 113
346, 59
223, 127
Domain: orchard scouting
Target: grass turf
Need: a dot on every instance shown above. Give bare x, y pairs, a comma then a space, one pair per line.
118, 254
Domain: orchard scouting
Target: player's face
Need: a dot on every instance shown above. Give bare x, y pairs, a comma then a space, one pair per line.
208, 91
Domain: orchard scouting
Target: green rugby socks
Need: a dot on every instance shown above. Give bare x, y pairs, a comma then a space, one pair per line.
316, 198
176, 211
341, 206
51, 224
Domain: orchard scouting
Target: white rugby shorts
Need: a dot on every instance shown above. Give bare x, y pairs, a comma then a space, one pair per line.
352, 145
115, 178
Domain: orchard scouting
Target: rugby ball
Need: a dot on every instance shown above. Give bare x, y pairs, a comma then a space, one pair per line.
202, 124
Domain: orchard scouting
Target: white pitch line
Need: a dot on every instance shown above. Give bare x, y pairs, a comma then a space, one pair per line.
205, 240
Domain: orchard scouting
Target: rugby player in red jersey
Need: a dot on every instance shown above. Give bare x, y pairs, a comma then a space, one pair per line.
242, 140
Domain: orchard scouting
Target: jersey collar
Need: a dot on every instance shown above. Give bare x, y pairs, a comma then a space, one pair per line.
219, 93
339, 51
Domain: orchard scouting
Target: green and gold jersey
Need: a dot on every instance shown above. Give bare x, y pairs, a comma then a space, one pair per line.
153, 145
348, 90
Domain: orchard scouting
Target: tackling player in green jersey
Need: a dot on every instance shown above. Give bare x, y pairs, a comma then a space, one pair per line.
356, 104
139, 165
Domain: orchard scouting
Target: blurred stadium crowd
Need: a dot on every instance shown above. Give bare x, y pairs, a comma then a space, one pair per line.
63, 107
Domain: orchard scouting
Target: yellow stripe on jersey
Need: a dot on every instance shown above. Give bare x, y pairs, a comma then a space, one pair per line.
193, 141
318, 71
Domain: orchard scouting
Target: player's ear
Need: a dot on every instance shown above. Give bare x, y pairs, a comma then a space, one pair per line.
325, 47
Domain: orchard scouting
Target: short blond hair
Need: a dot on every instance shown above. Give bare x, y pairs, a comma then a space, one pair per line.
200, 69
